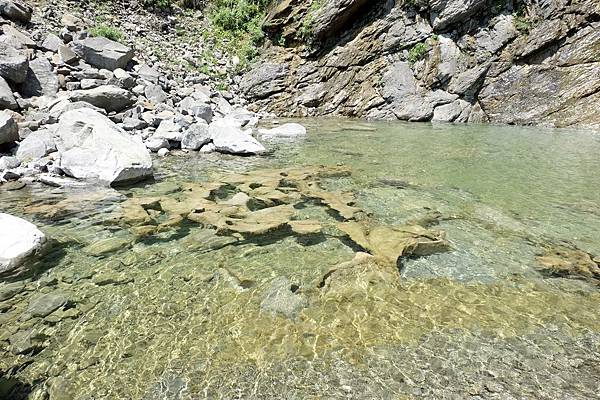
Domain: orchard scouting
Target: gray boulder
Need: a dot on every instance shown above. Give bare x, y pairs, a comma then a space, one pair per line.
229, 138
149, 74
66, 55
19, 240
9, 131
285, 130
123, 79
108, 97
13, 64
103, 53
195, 136
36, 145
7, 99
17, 39
155, 94
52, 43
41, 79
264, 80
15, 10
92, 147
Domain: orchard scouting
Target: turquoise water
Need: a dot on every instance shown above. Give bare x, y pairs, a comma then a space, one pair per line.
180, 313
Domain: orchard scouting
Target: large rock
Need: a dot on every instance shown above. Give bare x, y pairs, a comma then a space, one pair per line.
109, 98
536, 94
19, 240
36, 145
103, 53
228, 138
41, 79
92, 147
264, 80
196, 136
17, 39
9, 131
7, 99
15, 10
13, 64
285, 130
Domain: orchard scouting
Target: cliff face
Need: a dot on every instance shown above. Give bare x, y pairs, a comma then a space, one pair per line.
500, 61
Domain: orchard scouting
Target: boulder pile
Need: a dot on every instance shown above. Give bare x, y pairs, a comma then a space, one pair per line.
83, 107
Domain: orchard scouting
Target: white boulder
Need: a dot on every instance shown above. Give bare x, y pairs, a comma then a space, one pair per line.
227, 137
19, 239
286, 130
91, 146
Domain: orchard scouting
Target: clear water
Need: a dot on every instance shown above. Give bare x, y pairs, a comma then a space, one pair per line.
166, 317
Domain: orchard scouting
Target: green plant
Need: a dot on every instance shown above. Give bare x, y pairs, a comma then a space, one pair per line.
522, 24
107, 31
306, 29
418, 52
237, 26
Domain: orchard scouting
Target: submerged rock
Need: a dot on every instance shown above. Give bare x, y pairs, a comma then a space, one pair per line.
92, 147
285, 130
392, 243
228, 138
45, 304
283, 297
561, 261
19, 240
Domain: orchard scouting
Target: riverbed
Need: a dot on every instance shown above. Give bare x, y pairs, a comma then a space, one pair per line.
174, 310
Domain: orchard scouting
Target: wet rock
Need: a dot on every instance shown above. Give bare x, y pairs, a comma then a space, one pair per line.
561, 261
93, 147
285, 130
19, 240
109, 98
228, 138
13, 64
106, 246
21, 342
283, 297
103, 53
9, 131
10, 290
392, 243
46, 304
111, 278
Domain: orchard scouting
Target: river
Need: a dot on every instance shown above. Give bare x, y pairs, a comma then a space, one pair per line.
177, 311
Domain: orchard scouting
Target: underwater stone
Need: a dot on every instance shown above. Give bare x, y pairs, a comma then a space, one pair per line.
281, 298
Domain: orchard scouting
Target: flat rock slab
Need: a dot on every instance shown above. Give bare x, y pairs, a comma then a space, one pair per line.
103, 53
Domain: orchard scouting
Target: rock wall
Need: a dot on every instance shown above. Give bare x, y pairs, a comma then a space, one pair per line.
532, 62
